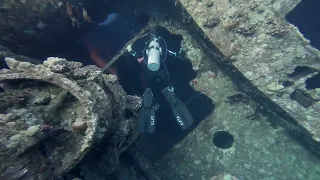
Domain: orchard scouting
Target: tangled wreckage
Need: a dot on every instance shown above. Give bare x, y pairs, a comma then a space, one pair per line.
63, 119
54, 113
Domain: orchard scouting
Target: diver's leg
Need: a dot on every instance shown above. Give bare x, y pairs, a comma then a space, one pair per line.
179, 109
146, 123
165, 76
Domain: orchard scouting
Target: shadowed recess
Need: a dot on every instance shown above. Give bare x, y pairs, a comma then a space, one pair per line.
313, 82
303, 98
223, 139
301, 71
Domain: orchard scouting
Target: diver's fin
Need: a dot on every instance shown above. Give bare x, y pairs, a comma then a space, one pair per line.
179, 109
146, 123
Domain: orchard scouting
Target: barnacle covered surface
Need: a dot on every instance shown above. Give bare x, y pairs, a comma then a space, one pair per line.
53, 113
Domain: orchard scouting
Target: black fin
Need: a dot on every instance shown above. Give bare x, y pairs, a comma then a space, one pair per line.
146, 123
179, 109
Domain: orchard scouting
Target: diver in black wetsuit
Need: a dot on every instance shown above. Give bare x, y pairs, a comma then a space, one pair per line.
152, 55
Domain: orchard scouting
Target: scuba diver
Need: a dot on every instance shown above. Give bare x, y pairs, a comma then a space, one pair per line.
152, 55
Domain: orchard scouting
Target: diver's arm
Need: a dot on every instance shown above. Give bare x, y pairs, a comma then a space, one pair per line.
139, 56
172, 53
175, 54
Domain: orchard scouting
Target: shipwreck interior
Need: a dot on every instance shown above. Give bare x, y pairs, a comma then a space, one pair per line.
106, 40
235, 128
181, 73
98, 44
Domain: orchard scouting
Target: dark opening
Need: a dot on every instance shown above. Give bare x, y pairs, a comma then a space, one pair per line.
128, 114
313, 82
128, 168
237, 98
287, 83
301, 71
223, 139
42, 150
3, 63
306, 17
25, 83
302, 98
167, 131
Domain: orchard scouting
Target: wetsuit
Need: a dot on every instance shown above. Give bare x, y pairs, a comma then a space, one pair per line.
157, 83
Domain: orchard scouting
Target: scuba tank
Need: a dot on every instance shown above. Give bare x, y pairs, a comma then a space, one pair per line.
156, 52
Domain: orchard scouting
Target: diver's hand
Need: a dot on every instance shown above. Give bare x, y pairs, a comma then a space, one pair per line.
140, 60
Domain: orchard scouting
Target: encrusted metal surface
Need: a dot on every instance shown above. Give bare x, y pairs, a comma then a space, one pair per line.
267, 50
55, 112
